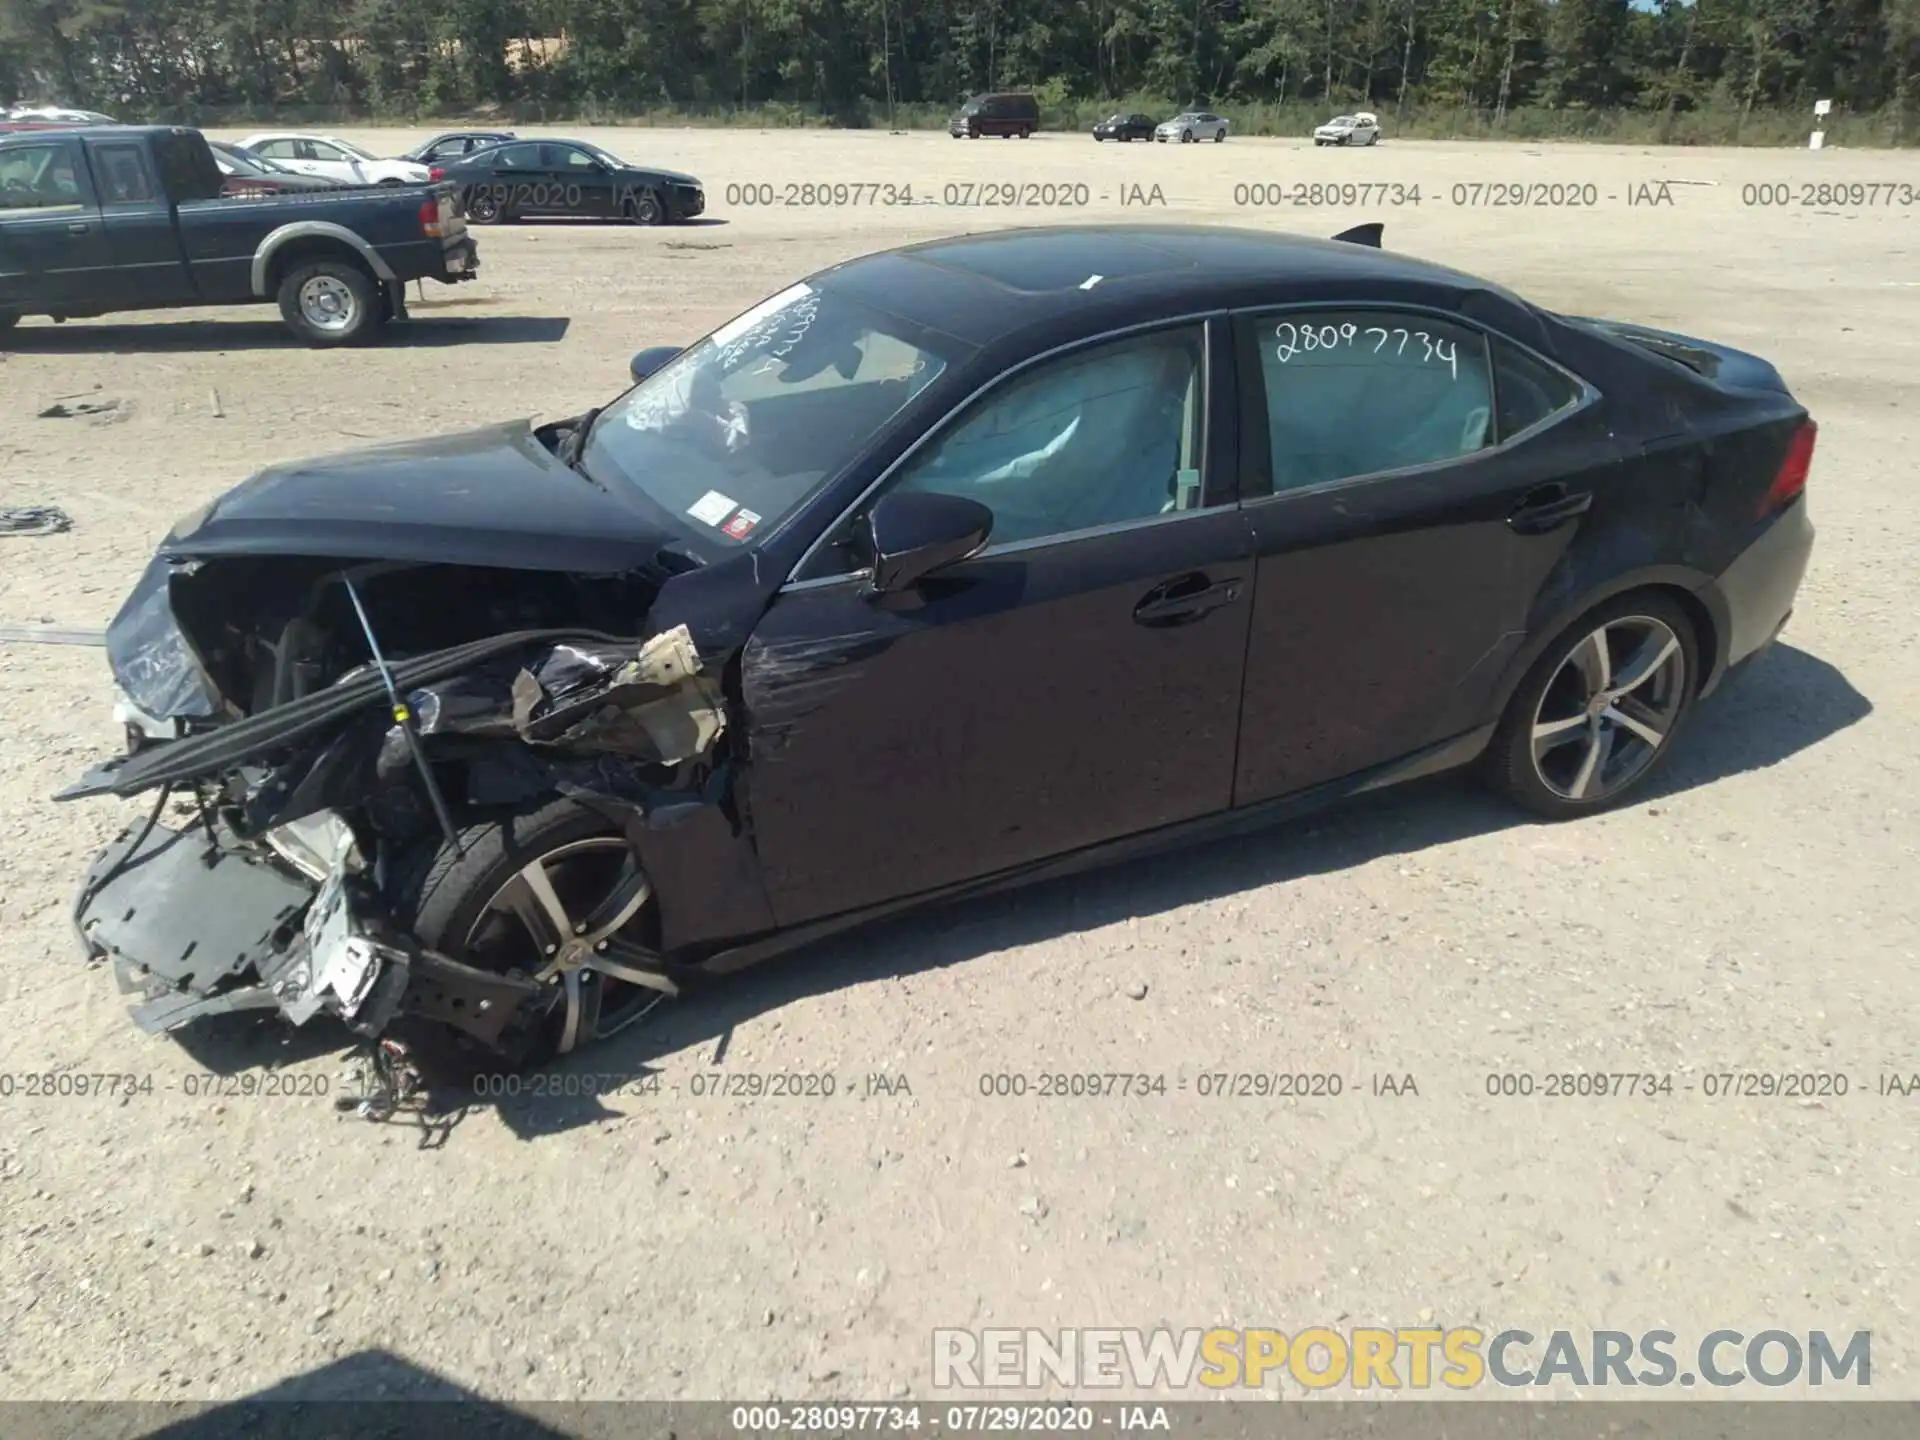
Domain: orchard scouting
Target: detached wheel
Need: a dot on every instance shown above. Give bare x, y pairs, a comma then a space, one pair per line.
644, 209
555, 896
1600, 711
330, 302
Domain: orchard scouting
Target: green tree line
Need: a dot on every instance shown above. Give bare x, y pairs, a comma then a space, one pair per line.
1658, 69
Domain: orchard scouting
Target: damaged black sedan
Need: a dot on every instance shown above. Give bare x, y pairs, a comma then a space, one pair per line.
948, 568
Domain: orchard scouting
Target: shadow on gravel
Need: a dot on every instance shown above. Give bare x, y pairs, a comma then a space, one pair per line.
424, 330
1786, 703
374, 1393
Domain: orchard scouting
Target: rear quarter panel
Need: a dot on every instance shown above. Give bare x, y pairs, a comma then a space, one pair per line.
1679, 507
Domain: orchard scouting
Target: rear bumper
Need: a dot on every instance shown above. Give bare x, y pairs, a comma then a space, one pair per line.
459, 261
1759, 587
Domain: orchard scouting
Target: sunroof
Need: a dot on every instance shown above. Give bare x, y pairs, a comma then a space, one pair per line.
1037, 264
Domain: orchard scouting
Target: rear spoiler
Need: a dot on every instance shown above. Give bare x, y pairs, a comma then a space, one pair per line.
1368, 234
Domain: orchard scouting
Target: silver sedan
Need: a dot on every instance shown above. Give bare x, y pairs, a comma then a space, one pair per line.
1192, 125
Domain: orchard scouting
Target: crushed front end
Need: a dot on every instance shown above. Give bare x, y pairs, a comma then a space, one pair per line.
311, 725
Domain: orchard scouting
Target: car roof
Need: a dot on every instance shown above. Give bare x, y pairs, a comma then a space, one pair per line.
1080, 280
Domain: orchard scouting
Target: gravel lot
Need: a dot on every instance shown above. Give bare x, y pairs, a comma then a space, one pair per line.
1756, 913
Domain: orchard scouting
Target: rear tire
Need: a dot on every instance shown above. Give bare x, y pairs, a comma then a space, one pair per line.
1579, 734
485, 209
329, 303
467, 906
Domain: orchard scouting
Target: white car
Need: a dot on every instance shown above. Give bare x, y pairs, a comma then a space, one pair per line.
1192, 125
1360, 129
331, 158
58, 115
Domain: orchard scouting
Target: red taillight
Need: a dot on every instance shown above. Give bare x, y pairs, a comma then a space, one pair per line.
430, 218
1792, 478
436, 173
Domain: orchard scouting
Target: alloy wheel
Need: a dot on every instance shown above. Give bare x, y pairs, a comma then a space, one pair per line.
567, 920
1609, 708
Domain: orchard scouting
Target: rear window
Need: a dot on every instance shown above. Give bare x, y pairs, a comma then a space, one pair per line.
122, 175
1527, 391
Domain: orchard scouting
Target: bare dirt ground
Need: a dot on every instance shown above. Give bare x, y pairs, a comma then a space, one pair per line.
1756, 913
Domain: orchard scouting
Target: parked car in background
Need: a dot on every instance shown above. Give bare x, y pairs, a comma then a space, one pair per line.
332, 158
569, 177
102, 219
245, 173
998, 114
1124, 127
58, 115
456, 145
1362, 128
1192, 125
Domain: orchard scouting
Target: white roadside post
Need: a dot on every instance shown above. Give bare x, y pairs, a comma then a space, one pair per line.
1818, 139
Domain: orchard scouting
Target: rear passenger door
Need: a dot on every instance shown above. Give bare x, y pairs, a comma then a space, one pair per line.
1395, 568
142, 247
52, 249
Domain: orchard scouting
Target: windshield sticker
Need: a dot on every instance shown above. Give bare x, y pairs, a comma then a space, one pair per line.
741, 525
711, 508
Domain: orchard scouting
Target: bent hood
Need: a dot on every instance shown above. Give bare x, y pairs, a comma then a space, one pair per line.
491, 497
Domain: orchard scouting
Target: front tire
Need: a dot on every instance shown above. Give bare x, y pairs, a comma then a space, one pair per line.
555, 895
330, 302
644, 209
1186, 137
1599, 712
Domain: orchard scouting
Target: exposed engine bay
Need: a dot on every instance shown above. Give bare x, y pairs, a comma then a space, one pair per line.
322, 721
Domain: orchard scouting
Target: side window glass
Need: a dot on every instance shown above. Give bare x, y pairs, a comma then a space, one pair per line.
1356, 392
1094, 438
122, 174
580, 160
1528, 390
39, 176
320, 150
277, 150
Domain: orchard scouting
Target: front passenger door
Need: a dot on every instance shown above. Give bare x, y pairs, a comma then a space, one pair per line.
52, 249
1075, 682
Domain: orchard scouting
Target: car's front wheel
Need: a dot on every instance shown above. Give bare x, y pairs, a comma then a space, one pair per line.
1186, 137
644, 209
554, 895
330, 302
1600, 710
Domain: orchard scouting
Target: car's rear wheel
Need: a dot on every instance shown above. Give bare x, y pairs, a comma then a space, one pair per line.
1600, 711
1026, 131
644, 209
485, 209
330, 302
554, 895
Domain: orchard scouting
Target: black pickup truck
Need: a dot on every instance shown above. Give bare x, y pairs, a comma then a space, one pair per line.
130, 217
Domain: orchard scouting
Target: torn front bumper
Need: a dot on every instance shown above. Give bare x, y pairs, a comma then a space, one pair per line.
194, 928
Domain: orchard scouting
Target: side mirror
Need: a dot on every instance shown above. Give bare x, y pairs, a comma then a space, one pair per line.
648, 361
914, 534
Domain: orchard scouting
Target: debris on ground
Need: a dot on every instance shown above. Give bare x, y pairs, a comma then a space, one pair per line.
101, 411
34, 520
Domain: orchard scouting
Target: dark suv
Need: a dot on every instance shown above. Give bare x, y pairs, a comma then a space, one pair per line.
1001, 115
